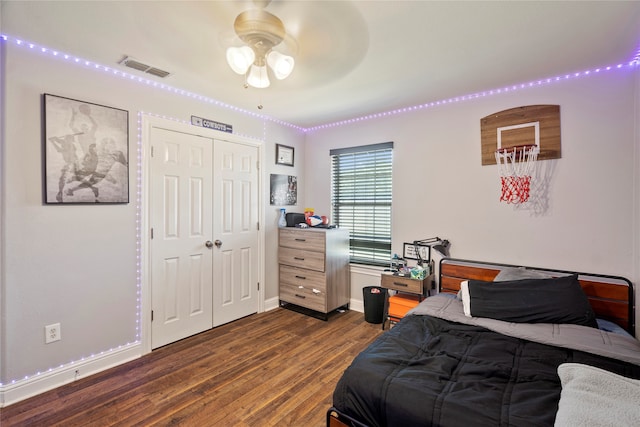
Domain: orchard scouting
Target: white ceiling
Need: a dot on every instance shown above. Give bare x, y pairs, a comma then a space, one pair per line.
354, 57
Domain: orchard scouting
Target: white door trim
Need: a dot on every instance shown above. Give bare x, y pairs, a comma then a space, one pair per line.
147, 123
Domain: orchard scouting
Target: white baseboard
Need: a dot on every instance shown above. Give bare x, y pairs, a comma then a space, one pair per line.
356, 305
271, 304
37, 384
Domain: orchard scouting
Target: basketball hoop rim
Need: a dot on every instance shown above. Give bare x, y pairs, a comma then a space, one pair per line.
522, 147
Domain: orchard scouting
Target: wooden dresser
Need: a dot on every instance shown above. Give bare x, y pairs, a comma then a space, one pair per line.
314, 269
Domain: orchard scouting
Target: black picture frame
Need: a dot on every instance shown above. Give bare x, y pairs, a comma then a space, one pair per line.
284, 155
409, 251
86, 149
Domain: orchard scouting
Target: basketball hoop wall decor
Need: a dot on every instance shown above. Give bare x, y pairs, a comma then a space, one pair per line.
515, 140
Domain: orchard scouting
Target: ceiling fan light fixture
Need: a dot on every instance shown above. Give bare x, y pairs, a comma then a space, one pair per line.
240, 58
261, 31
282, 65
258, 77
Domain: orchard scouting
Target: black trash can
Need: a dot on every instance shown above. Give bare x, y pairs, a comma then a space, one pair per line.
373, 298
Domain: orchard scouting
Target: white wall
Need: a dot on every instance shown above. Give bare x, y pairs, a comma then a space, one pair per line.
76, 265
280, 135
441, 188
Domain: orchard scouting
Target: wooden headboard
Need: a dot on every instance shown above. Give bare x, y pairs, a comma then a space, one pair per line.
611, 297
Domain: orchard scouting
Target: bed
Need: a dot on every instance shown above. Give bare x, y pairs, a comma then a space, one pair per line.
501, 345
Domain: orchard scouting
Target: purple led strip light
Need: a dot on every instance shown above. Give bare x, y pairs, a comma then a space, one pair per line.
116, 72
633, 63
507, 89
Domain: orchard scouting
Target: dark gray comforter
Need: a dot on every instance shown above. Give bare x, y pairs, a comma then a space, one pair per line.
428, 371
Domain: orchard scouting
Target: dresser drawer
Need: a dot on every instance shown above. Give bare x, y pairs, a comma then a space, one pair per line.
303, 296
307, 240
303, 277
403, 284
302, 259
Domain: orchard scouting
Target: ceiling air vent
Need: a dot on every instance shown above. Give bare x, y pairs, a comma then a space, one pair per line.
145, 68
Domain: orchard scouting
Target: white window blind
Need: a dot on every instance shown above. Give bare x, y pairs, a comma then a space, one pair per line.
361, 199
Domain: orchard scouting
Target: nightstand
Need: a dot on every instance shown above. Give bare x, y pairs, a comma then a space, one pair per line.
415, 291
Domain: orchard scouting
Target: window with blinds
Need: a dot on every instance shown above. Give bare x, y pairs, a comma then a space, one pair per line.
361, 200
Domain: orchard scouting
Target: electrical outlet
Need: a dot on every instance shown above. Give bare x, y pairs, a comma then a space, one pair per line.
52, 333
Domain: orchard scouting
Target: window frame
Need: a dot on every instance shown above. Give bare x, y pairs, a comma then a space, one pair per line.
361, 200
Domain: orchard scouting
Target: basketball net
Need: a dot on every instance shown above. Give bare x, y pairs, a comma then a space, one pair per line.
516, 165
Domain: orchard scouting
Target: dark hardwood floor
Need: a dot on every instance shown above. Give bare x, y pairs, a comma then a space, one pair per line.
273, 368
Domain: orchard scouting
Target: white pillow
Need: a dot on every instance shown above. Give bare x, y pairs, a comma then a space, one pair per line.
466, 300
594, 397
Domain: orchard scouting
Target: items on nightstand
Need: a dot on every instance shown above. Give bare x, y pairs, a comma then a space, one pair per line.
410, 285
418, 273
439, 245
398, 264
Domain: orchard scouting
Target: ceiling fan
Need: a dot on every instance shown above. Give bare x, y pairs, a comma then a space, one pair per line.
263, 35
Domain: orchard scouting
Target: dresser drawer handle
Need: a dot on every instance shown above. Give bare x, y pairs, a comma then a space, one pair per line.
298, 258
400, 284
300, 296
301, 240
301, 277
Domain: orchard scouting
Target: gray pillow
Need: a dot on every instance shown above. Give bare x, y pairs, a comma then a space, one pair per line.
519, 273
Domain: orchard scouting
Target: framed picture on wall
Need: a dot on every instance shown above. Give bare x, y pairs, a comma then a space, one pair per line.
86, 148
284, 155
283, 190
